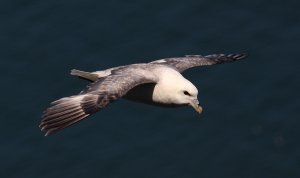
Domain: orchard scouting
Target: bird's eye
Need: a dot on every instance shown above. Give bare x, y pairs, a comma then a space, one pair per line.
186, 93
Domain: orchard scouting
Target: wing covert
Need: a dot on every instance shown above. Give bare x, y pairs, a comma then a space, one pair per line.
190, 61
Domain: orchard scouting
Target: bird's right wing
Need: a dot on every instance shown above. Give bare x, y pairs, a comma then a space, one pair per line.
183, 63
69, 110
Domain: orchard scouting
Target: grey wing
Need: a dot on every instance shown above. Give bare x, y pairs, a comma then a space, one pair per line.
69, 110
183, 63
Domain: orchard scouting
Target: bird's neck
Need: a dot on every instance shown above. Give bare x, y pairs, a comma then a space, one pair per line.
165, 91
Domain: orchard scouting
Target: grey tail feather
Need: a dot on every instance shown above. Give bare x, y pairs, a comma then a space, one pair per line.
84, 75
68, 111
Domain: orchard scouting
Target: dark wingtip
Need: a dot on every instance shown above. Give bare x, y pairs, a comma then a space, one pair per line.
67, 111
47, 133
221, 58
237, 56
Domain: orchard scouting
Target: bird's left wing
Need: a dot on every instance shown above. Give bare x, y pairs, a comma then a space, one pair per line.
183, 63
69, 110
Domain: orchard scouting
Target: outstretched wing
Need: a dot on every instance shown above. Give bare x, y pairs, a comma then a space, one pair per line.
189, 61
69, 110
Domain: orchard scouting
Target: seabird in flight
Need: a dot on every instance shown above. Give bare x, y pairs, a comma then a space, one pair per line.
158, 83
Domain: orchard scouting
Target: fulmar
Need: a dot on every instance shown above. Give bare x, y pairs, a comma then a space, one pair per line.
158, 83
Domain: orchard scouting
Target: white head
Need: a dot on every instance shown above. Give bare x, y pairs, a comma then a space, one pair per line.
178, 91
186, 94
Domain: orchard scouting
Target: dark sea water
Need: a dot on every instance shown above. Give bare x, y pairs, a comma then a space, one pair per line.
250, 124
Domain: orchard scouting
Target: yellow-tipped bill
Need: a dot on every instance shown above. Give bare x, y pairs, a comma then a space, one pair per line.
196, 106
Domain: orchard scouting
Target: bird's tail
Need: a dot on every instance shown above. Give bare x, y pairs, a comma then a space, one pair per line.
67, 111
84, 75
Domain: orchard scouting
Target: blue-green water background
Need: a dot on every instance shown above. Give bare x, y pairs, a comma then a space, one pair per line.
250, 123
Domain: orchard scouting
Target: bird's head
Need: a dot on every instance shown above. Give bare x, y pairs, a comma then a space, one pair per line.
186, 94
176, 90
